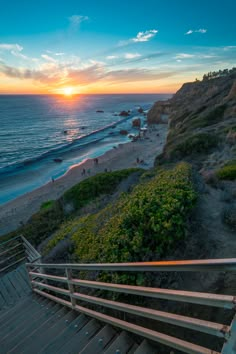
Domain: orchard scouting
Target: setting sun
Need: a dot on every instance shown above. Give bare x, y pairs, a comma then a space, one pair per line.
68, 91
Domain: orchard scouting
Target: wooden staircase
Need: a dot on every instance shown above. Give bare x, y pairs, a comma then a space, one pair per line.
48, 308
14, 286
29, 324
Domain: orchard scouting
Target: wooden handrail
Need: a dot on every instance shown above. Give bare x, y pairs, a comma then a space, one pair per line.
207, 299
220, 265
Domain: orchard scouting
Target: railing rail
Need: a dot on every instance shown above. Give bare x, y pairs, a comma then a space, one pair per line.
15, 251
42, 284
224, 265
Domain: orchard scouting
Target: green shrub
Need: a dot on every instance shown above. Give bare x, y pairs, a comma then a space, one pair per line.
92, 187
140, 226
143, 224
47, 205
227, 172
199, 143
229, 216
43, 223
51, 215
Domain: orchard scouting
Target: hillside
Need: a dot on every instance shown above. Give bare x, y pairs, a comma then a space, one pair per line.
202, 122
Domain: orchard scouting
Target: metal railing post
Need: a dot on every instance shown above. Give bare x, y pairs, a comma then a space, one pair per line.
230, 345
29, 276
70, 287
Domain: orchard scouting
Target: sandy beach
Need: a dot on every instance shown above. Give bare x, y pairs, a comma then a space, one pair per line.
19, 210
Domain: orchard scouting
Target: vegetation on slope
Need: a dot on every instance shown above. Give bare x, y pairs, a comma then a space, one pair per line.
90, 188
196, 144
142, 225
227, 172
52, 213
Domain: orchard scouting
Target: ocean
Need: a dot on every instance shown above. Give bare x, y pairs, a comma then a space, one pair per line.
37, 129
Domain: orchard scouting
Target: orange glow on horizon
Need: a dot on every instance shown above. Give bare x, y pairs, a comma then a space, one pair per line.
68, 91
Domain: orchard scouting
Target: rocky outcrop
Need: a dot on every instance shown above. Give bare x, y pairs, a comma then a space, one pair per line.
202, 114
123, 132
160, 108
136, 122
140, 110
124, 114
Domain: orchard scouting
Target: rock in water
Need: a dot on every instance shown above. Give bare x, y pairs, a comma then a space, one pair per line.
124, 114
136, 123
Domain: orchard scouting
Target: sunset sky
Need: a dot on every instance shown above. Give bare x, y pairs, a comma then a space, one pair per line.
113, 46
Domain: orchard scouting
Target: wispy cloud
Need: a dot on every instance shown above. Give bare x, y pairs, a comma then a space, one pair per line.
140, 37
229, 47
184, 56
111, 57
48, 58
132, 55
6, 46
76, 20
56, 75
200, 30
145, 36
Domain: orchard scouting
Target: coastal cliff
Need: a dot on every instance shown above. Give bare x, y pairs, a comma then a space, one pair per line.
202, 122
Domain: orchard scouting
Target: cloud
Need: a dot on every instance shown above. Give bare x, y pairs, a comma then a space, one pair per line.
111, 57
59, 54
132, 55
6, 46
46, 77
133, 75
229, 47
184, 56
200, 30
144, 36
140, 37
56, 75
22, 56
189, 32
48, 58
76, 20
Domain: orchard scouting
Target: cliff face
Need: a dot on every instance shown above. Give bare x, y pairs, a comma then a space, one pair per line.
160, 108
202, 122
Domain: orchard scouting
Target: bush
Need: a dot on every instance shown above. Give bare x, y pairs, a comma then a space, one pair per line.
91, 188
199, 143
140, 225
227, 172
47, 205
229, 216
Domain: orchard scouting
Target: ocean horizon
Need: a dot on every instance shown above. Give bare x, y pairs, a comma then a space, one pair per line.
36, 130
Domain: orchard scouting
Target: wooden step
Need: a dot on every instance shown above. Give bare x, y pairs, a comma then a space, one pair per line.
19, 341
121, 344
18, 322
100, 341
77, 342
44, 333
145, 348
65, 334
14, 314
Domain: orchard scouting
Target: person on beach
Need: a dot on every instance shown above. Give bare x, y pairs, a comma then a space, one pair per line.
137, 160
83, 172
88, 171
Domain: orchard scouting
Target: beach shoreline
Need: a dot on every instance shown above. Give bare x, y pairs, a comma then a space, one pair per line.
19, 210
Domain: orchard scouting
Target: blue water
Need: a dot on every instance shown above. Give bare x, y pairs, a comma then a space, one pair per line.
36, 129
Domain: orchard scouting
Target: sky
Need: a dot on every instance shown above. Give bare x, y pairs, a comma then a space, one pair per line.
112, 46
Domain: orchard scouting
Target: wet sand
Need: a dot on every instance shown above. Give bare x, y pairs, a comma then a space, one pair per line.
19, 210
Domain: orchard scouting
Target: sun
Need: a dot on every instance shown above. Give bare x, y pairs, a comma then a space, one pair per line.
68, 91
